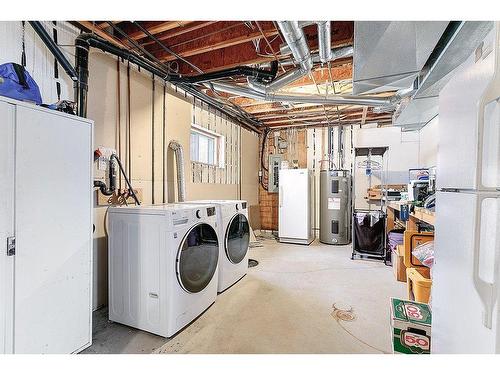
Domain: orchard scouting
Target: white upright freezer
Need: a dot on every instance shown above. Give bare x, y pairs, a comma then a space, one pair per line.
467, 243
45, 230
296, 206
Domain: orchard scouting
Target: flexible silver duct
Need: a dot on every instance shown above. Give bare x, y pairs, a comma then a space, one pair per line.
325, 41
179, 160
336, 53
297, 44
238, 90
295, 39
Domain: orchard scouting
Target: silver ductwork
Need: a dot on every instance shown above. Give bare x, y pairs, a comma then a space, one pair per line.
179, 161
388, 55
325, 41
295, 39
297, 44
414, 112
336, 53
238, 90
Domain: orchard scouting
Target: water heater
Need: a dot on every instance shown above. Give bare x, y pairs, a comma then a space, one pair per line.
335, 207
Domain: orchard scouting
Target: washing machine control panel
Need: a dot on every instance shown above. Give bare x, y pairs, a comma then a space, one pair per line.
210, 211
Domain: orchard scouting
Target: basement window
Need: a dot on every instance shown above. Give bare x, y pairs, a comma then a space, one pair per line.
207, 147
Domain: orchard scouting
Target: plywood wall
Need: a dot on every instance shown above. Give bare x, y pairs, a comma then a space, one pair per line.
296, 150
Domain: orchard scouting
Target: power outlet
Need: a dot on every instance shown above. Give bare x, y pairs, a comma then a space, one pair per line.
105, 153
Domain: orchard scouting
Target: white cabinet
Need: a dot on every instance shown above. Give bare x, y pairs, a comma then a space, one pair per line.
46, 206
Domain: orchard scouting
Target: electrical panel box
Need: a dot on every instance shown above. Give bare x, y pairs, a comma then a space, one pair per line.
274, 172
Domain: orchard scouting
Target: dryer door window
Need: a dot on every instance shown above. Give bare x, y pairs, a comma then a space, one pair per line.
197, 258
237, 238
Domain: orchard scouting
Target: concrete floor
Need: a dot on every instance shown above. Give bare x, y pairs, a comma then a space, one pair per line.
299, 299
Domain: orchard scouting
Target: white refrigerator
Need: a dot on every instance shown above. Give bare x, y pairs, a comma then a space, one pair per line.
296, 206
465, 293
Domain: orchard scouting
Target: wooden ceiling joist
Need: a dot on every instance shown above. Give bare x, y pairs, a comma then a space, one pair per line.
245, 53
156, 27
94, 28
166, 35
232, 37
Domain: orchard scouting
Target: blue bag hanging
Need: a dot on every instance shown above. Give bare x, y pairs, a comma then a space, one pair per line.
16, 83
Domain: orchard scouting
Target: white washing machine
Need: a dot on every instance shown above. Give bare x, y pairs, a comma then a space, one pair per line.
234, 237
163, 265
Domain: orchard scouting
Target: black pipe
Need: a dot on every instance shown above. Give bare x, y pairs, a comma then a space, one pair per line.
54, 49
83, 43
112, 180
127, 181
260, 75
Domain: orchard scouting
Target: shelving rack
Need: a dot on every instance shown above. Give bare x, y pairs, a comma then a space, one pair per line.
358, 251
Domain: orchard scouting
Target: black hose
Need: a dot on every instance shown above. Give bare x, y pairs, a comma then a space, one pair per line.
264, 139
130, 188
83, 43
260, 75
112, 181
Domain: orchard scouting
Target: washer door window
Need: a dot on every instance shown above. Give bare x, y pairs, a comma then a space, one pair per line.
237, 238
197, 258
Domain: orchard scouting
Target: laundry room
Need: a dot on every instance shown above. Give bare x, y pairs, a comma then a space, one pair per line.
264, 184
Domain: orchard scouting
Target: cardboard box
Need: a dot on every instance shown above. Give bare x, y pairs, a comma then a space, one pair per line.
419, 284
410, 327
398, 263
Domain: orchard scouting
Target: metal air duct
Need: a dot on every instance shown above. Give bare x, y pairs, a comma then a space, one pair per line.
325, 41
296, 42
371, 101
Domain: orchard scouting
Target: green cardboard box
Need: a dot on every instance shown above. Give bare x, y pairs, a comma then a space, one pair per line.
410, 327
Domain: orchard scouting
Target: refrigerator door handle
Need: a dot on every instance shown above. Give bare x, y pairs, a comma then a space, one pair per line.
487, 291
490, 95
280, 197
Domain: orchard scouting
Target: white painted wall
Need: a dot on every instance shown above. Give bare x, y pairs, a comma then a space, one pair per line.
429, 143
403, 154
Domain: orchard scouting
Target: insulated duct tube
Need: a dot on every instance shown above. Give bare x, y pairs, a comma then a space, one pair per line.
336, 53
325, 41
370, 101
296, 41
179, 161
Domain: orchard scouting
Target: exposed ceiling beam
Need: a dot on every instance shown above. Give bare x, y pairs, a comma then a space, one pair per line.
164, 36
90, 26
155, 27
363, 116
245, 53
345, 121
229, 38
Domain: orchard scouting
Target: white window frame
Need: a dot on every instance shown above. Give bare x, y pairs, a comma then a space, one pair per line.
219, 146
